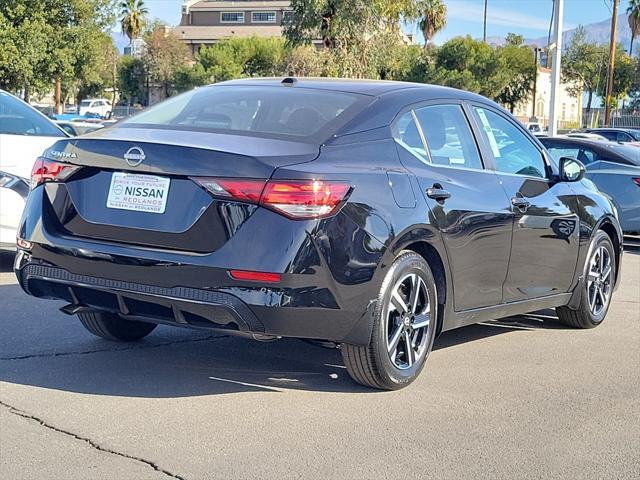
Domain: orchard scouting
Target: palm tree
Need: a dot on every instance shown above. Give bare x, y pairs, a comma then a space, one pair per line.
434, 18
634, 21
132, 17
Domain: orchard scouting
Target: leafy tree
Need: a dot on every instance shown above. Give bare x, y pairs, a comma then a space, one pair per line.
190, 77
623, 77
243, 57
165, 55
132, 79
434, 18
471, 65
584, 66
133, 15
518, 62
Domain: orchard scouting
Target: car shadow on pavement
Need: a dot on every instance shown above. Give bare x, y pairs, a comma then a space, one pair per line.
41, 347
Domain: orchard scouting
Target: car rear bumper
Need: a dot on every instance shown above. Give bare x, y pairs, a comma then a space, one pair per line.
196, 290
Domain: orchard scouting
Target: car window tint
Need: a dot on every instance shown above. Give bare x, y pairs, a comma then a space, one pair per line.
277, 111
448, 136
513, 152
585, 155
408, 136
623, 137
17, 118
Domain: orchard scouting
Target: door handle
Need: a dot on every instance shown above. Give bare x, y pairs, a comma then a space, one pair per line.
438, 193
521, 203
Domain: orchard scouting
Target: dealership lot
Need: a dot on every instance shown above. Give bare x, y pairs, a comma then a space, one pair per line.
518, 398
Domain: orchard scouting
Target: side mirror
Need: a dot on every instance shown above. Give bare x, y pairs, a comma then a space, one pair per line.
571, 170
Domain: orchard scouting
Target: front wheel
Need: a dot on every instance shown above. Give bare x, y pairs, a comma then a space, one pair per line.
403, 329
599, 274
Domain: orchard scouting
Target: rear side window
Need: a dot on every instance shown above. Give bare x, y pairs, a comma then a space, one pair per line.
264, 110
408, 136
18, 118
449, 136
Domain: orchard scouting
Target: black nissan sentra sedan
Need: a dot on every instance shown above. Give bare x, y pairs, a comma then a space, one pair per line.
374, 215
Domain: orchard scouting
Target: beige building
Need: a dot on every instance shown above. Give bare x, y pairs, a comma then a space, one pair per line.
569, 107
205, 22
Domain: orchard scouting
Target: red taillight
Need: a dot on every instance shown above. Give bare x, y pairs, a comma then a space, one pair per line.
255, 276
298, 199
243, 190
304, 199
45, 170
637, 180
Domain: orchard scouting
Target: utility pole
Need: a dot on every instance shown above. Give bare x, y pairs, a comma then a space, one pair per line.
612, 64
556, 49
484, 30
536, 51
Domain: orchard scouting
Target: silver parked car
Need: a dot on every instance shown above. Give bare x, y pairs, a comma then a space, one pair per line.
613, 167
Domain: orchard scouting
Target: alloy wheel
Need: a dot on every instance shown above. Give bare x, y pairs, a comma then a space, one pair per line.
599, 281
408, 321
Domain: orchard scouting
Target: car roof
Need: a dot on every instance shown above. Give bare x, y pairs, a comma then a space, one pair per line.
613, 129
362, 87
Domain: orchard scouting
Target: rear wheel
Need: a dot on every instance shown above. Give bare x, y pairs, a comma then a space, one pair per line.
111, 326
599, 274
403, 329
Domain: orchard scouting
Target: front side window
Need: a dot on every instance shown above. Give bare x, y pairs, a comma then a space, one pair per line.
18, 118
585, 155
263, 17
232, 17
448, 136
514, 153
264, 110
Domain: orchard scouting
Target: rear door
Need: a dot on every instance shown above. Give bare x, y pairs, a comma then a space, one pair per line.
544, 251
468, 205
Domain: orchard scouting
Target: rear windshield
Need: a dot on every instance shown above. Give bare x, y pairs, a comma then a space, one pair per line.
290, 112
18, 118
630, 152
85, 103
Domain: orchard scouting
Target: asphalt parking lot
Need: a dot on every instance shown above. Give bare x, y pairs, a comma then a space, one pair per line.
517, 398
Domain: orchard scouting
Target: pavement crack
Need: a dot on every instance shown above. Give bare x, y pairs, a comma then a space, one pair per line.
16, 411
101, 350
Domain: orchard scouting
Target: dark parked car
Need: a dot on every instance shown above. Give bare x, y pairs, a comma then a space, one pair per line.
614, 168
623, 135
370, 214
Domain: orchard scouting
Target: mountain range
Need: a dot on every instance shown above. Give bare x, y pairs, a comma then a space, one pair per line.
599, 32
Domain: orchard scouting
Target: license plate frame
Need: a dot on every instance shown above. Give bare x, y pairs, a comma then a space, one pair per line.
138, 192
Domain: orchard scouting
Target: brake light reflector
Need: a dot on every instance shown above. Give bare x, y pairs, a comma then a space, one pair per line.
45, 170
304, 199
255, 276
637, 180
298, 199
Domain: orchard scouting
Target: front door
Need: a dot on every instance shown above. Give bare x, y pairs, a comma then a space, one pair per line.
466, 201
544, 250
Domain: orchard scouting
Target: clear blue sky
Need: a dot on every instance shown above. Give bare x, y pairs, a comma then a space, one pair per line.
526, 17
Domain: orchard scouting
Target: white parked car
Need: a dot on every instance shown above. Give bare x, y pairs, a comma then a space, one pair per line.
100, 107
25, 134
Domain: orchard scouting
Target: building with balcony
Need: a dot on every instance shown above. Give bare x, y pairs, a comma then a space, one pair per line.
205, 22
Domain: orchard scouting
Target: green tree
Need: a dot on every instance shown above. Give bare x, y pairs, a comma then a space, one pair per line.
165, 55
133, 17
623, 77
470, 65
519, 65
434, 18
132, 79
584, 66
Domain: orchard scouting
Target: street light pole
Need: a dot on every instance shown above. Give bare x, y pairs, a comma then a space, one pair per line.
612, 64
556, 48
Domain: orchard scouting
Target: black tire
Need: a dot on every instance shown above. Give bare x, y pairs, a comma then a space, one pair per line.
372, 365
587, 315
111, 326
